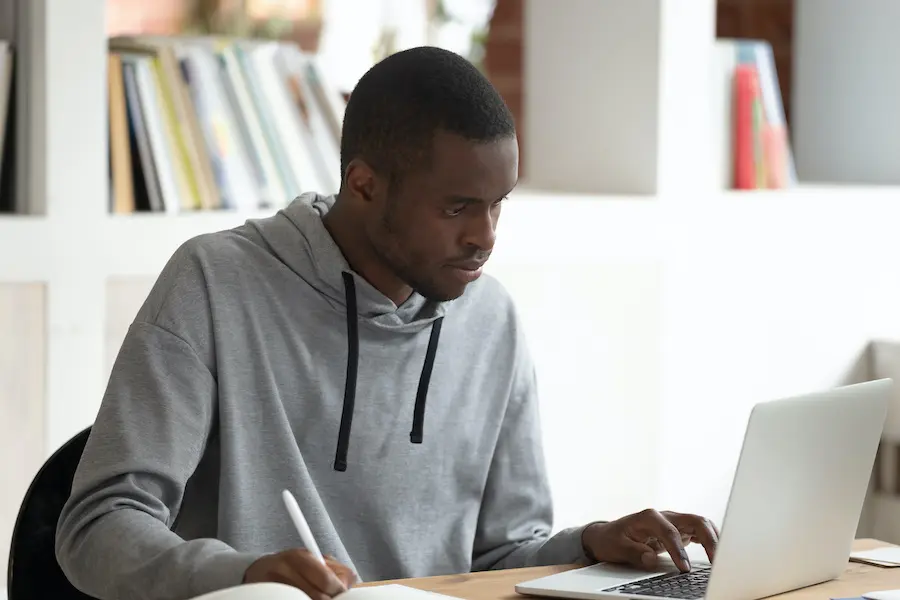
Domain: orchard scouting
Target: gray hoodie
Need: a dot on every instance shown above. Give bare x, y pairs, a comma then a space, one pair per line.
260, 362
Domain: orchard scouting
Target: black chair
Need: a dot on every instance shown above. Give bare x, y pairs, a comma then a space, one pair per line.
33, 571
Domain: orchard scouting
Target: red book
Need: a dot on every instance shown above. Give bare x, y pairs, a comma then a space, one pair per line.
745, 89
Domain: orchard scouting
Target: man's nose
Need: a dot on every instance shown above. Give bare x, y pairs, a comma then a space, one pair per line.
481, 232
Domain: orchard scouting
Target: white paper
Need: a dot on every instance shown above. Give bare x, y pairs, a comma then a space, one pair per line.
888, 554
391, 592
277, 591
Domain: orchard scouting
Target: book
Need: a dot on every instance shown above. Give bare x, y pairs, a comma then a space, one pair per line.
751, 146
746, 127
887, 556
206, 123
7, 127
278, 591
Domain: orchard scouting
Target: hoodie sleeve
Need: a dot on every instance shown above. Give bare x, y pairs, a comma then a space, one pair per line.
516, 513
114, 539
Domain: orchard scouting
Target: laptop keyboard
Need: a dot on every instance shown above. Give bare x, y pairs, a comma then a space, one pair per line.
688, 585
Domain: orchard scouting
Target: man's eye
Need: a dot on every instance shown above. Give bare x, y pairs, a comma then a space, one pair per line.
452, 212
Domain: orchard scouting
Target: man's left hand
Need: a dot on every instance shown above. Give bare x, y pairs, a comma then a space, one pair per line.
639, 538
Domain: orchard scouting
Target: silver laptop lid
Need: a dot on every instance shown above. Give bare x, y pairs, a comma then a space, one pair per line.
798, 491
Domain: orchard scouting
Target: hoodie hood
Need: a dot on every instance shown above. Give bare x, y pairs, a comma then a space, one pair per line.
297, 237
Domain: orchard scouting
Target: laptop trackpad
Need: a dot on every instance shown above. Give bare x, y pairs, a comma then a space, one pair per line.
603, 576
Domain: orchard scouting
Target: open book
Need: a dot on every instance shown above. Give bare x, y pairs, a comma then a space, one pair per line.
277, 591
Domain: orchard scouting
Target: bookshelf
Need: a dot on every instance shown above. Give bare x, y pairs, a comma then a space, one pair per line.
620, 211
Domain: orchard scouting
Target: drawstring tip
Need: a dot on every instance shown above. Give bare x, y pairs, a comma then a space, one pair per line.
415, 437
340, 465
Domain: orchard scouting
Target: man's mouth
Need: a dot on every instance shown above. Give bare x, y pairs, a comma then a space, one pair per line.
469, 265
467, 271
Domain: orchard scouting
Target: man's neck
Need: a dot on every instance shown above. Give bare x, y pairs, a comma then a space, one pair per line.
347, 231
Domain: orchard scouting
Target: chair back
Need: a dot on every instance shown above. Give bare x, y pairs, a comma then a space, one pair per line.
33, 572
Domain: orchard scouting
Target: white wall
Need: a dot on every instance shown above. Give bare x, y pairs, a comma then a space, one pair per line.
846, 91
653, 346
767, 298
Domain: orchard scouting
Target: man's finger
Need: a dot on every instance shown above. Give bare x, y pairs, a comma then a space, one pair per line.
343, 572
316, 573
707, 534
670, 538
700, 529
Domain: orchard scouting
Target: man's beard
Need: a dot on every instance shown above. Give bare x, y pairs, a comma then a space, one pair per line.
391, 251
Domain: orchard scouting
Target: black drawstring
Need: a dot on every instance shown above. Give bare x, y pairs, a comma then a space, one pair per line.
415, 436
340, 459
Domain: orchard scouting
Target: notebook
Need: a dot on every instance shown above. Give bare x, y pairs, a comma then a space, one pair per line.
888, 556
277, 591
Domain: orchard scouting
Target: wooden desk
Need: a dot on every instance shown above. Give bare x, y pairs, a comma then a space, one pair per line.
500, 585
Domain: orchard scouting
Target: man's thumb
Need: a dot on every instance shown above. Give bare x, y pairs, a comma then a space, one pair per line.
649, 559
641, 555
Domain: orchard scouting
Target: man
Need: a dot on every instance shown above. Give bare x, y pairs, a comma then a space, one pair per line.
350, 350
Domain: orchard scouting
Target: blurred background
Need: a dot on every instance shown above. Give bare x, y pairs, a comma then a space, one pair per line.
347, 36
707, 215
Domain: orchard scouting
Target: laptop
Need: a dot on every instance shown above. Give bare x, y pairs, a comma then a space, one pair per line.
792, 514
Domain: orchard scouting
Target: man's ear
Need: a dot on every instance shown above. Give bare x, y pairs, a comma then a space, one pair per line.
363, 182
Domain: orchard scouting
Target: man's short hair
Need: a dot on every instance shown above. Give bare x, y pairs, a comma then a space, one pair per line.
397, 107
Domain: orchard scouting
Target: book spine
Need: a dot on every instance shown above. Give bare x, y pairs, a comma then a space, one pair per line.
744, 170
759, 127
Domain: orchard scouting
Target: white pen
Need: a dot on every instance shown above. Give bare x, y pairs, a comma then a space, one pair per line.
302, 526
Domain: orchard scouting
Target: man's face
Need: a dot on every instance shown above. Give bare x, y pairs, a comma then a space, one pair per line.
436, 227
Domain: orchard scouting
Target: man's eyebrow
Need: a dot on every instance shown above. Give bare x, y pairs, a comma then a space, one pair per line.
456, 199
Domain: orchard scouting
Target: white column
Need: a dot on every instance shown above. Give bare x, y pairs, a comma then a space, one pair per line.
66, 178
686, 124
74, 108
614, 94
846, 92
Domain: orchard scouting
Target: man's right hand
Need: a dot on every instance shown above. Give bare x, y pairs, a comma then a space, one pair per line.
299, 568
